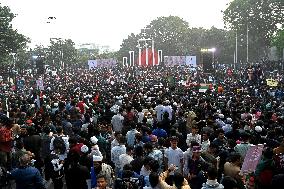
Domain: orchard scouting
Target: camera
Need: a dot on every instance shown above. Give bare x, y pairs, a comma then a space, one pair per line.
128, 183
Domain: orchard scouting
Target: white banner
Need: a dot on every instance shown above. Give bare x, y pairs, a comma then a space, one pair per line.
191, 61
101, 63
92, 64
39, 84
174, 60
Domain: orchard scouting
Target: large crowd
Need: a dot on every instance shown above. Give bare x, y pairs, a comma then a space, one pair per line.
142, 127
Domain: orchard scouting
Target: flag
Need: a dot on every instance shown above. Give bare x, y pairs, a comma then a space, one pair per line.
252, 158
204, 87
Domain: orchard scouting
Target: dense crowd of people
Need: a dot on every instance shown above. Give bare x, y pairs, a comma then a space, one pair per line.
147, 127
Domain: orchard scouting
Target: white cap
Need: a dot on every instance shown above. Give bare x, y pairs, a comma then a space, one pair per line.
84, 149
97, 158
258, 129
94, 140
221, 116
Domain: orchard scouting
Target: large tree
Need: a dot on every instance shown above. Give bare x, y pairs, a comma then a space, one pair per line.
174, 36
260, 17
10, 40
278, 42
129, 44
61, 52
220, 39
170, 34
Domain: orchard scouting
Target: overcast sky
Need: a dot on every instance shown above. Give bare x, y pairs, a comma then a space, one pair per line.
106, 22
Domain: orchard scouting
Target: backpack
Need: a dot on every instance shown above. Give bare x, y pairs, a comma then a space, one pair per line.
5, 134
58, 143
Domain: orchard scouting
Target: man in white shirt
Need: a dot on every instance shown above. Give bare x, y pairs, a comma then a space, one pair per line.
117, 121
174, 155
117, 151
126, 158
130, 135
193, 136
169, 109
205, 142
159, 111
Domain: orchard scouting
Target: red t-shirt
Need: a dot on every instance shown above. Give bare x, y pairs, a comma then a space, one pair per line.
77, 148
81, 107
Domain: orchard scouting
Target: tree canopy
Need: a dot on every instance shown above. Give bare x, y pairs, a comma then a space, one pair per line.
261, 18
174, 36
10, 40
278, 42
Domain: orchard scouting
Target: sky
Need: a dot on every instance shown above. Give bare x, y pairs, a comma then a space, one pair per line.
105, 22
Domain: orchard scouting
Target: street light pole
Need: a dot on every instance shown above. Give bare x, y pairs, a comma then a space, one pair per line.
247, 44
236, 53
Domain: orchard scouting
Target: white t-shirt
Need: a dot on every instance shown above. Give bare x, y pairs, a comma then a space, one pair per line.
190, 137
174, 156
159, 112
124, 159
169, 110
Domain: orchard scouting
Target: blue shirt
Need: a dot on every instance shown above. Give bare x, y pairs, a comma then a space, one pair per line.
160, 133
93, 178
27, 178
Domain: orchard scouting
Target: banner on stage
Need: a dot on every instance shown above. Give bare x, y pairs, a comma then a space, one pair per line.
92, 64
174, 60
39, 84
106, 63
102, 63
190, 61
171, 61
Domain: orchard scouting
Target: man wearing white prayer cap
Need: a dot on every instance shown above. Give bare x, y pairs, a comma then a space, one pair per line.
101, 168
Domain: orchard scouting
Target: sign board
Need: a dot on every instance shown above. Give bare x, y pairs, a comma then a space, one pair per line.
92, 64
39, 84
174, 60
252, 158
271, 82
102, 63
190, 61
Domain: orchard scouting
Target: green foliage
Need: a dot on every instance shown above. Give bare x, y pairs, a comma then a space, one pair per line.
61, 52
170, 34
23, 59
278, 42
174, 36
84, 54
129, 44
10, 40
260, 17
